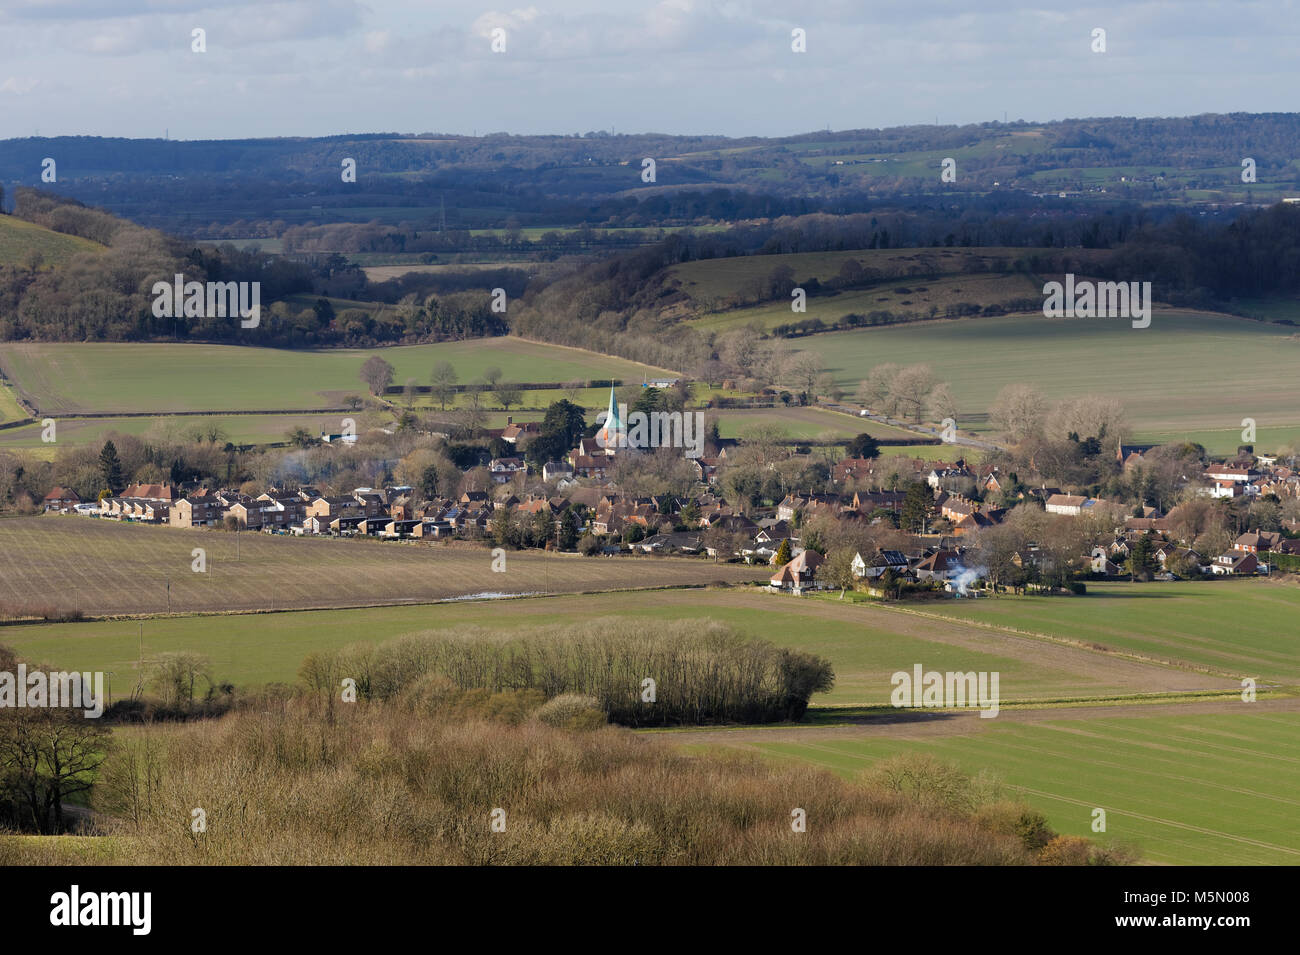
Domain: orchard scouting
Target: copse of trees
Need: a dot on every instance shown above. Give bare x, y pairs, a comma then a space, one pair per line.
702, 672
561, 429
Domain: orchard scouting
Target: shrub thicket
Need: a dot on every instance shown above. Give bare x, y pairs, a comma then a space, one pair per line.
703, 671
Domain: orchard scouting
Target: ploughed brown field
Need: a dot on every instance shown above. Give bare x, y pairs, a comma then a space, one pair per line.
102, 567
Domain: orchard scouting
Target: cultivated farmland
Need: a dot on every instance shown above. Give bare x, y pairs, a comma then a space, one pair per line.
1174, 378
240, 429
865, 644
1241, 627
164, 377
103, 567
1188, 788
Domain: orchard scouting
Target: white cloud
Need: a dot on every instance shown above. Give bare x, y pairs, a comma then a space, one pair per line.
19, 85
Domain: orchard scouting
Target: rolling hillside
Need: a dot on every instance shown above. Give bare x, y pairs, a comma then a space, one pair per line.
1176, 378
18, 239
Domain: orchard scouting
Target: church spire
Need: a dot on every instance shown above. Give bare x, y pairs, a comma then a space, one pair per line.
613, 426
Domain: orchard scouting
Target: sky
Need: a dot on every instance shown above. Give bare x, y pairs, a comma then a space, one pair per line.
324, 67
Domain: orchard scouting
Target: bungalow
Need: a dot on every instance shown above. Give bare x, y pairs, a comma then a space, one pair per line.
735, 524
686, 542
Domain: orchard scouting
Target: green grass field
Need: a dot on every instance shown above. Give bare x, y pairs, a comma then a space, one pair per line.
252, 649
10, 410
1241, 627
932, 452
1226, 440
240, 429
865, 644
1186, 784
804, 423
1207, 789
916, 296
164, 377
1175, 377
18, 238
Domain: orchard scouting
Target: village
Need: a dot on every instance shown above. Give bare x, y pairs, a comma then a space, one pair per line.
946, 528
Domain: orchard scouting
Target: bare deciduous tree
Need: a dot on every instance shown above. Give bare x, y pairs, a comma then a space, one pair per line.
377, 374
1018, 410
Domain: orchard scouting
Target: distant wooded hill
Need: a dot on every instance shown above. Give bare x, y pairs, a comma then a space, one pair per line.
451, 182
